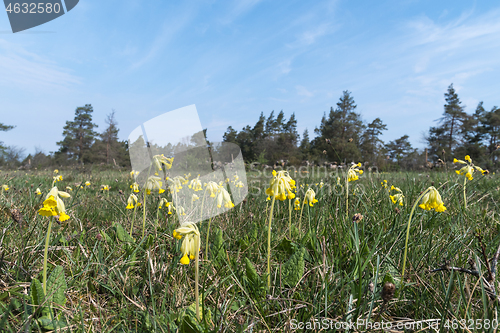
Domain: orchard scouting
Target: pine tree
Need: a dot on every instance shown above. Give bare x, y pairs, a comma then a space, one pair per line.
79, 135
371, 144
448, 135
344, 128
4, 128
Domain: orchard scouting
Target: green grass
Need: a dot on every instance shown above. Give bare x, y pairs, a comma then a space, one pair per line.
332, 268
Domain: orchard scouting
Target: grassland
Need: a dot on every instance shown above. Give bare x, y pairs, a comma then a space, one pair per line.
333, 269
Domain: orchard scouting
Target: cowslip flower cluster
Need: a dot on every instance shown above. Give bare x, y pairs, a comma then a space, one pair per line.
53, 204
296, 204
195, 184
135, 187
154, 183
352, 173
384, 184
310, 197
158, 160
281, 186
213, 188
398, 196
176, 184
5, 187
105, 188
469, 167
131, 200
224, 197
191, 242
38, 192
432, 200
57, 178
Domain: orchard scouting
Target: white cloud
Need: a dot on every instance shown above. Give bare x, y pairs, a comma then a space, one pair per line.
238, 8
302, 91
310, 36
29, 71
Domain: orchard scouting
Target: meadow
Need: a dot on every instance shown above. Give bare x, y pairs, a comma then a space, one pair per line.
340, 262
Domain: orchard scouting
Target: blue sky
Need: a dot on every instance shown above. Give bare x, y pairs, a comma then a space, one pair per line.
234, 59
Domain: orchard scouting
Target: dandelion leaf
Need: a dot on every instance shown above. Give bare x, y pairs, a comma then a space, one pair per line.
293, 270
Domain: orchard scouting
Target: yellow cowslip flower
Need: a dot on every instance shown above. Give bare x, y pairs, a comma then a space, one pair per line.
5, 187
195, 197
57, 178
236, 178
310, 197
56, 171
134, 174
351, 173
296, 204
181, 210
191, 243
53, 204
398, 197
175, 184
38, 192
213, 188
87, 183
338, 182
163, 201
432, 199
135, 187
158, 160
105, 188
131, 200
469, 167
281, 186
154, 183
239, 184
195, 184
321, 184
69, 188
384, 183
223, 196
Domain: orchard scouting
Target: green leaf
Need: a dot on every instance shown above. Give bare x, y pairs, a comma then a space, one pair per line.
56, 286
256, 282
36, 292
293, 270
149, 242
106, 237
218, 247
288, 246
121, 234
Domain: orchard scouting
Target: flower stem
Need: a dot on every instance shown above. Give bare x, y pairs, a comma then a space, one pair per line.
465, 196
290, 218
269, 245
196, 280
133, 219
45, 254
144, 214
408, 233
206, 243
347, 199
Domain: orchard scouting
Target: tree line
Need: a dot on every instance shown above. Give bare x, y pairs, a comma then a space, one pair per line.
81, 144
341, 137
